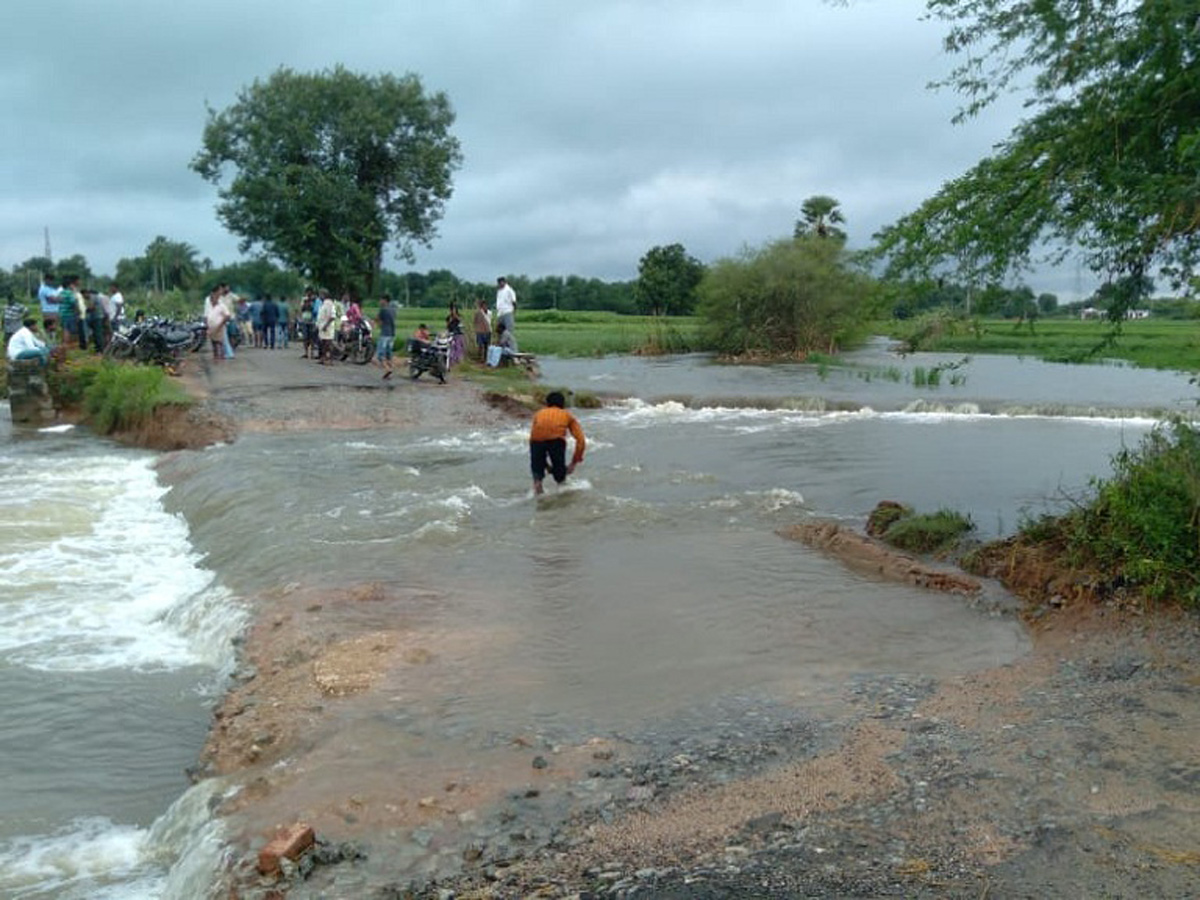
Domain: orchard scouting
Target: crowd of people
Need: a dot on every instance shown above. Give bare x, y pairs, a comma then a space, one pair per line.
82, 317
74, 316
78, 316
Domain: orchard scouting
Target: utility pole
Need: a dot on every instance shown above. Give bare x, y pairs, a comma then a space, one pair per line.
49, 255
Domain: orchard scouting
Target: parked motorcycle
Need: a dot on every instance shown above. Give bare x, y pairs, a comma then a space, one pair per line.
431, 357
153, 342
356, 344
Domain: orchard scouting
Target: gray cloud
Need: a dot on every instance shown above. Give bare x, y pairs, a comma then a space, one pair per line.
591, 132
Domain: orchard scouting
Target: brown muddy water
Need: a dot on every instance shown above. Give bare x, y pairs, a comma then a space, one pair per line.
648, 602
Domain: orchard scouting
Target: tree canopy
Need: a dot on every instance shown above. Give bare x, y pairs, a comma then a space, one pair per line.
820, 217
789, 298
667, 281
1107, 163
331, 167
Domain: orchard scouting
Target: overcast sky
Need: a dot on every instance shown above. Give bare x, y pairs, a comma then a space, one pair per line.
591, 131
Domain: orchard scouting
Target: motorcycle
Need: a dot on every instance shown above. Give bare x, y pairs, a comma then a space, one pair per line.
152, 342
356, 343
199, 332
429, 357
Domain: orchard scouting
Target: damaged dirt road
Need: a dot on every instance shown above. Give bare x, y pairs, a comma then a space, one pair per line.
1073, 772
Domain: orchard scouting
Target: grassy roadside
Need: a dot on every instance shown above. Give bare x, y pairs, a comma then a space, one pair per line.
111, 397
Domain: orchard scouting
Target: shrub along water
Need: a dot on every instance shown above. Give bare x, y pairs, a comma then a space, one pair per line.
1143, 526
120, 396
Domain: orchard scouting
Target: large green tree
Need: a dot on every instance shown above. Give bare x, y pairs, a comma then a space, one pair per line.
331, 167
1107, 162
667, 281
789, 298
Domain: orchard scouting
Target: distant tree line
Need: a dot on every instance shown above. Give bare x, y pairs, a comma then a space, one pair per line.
167, 266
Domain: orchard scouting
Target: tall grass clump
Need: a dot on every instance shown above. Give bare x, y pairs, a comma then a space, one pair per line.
122, 396
934, 532
664, 338
1143, 526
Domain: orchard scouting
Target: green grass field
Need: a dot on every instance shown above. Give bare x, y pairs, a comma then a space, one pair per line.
558, 333
1155, 344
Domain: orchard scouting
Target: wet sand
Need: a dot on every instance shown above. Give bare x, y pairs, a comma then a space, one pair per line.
1073, 772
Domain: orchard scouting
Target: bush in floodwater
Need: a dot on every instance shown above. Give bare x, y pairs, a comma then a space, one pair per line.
664, 338
927, 532
1143, 527
123, 395
922, 377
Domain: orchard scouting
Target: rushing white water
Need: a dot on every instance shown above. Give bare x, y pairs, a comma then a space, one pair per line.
112, 636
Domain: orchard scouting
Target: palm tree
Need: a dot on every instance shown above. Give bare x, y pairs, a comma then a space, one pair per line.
820, 217
172, 263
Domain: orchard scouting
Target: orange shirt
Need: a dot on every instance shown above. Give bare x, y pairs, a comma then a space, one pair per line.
551, 423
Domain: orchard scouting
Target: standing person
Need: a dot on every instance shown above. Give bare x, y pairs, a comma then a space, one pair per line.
227, 299
268, 315
506, 303
257, 330
245, 322
327, 322
116, 305
48, 300
385, 345
483, 328
216, 320
69, 320
106, 322
285, 322
548, 441
96, 319
309, 304
455, 329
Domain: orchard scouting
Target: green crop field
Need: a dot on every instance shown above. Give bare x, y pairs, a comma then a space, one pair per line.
1156, 344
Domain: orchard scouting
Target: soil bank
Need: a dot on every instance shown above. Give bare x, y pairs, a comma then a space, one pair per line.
1073, 772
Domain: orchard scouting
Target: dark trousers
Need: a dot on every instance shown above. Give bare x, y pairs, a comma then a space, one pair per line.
552, 454
95, 327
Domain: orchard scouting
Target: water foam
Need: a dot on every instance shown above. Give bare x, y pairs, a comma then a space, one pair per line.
98, 574
93, 858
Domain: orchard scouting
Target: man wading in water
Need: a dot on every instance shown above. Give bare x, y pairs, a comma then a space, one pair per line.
548, 441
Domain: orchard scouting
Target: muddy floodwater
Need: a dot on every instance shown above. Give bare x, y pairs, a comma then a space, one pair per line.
643, 607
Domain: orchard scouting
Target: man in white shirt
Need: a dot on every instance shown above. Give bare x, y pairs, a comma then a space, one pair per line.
27, 345
506, 304
116, 305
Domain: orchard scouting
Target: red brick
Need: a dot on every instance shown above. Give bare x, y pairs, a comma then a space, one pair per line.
289, 843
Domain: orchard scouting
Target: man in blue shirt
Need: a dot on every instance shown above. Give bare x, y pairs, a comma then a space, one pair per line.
48, 300
385, 344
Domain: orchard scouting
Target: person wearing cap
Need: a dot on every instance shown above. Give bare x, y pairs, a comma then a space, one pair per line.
548, 441
24, 344
506, 303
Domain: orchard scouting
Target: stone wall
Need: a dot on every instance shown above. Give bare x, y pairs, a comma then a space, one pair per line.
29, 393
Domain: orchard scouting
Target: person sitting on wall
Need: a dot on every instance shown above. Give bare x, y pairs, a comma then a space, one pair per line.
24, 344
